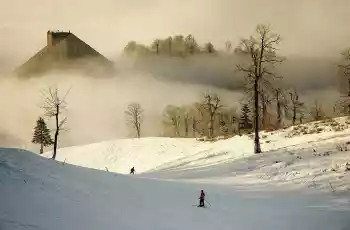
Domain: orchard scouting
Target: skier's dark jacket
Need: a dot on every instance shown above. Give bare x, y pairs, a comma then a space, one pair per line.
202, 197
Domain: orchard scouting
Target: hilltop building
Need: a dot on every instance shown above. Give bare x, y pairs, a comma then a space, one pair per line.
65, 51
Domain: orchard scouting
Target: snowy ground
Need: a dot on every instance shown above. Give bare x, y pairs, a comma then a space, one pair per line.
244, 189
38, 193
298, 157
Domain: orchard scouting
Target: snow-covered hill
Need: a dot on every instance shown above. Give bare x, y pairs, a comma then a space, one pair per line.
39, 193
300, 156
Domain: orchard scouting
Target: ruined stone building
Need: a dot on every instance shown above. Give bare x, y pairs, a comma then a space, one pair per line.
65, 51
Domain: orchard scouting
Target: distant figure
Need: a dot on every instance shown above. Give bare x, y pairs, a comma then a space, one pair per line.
132, 170
202, 199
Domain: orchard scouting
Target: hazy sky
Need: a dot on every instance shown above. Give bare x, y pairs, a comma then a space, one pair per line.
310, 27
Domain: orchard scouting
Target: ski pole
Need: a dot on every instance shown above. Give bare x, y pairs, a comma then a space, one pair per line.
207, 202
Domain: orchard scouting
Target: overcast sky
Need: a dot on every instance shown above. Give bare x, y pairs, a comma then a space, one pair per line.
309, 27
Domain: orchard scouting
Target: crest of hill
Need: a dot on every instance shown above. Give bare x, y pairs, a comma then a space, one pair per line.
64, 51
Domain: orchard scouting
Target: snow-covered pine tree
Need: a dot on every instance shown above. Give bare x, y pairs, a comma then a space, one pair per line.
42, 135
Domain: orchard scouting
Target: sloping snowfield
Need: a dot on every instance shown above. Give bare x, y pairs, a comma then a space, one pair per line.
300, 156
38, 193
243, 190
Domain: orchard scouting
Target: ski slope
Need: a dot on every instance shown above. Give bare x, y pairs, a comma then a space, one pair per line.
303, 156
146, 153
39, 193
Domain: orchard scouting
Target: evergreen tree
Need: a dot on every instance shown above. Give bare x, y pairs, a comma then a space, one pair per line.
41, 135
245, 121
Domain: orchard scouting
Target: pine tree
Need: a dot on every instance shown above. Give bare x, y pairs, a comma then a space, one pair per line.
41, 135
244, 121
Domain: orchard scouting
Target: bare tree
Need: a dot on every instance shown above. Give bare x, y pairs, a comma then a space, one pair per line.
191, 44
233, 120
134, 115
186, 114
316, 111
265, 103
194, 126
186, 123
301, 117
297, 105
262, 57
211, 105
281, 105
170, 42
345, 71
200, 120
172, 118
227, 121
54, 105
228, 46
156, 45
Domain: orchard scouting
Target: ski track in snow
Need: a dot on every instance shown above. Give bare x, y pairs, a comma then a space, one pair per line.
287, 187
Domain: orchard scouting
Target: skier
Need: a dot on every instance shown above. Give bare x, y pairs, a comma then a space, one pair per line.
201, 199
132, 170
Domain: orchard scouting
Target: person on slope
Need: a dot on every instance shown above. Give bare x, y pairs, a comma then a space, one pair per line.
202, 199
132, 170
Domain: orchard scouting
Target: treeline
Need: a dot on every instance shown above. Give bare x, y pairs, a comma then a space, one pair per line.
206, 118
269, 102
178, 45
211, 118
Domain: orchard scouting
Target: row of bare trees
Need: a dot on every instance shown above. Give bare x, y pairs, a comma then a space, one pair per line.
211, 118
208, 118
260, 58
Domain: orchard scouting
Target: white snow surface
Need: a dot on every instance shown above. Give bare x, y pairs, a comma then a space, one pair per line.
39, 193
243, 189
291, 159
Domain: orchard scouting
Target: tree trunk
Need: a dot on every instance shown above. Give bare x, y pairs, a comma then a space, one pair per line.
257, 148
55, 145
264, 115
264, 110
138, 130
56, 133
137, 126
170, 46
294, 114
348, 97
278, 106
211, 127
279, 115
194, 127
41, 148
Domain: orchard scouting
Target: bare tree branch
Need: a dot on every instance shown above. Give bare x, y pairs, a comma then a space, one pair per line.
134, 116
262, 52
53, 106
